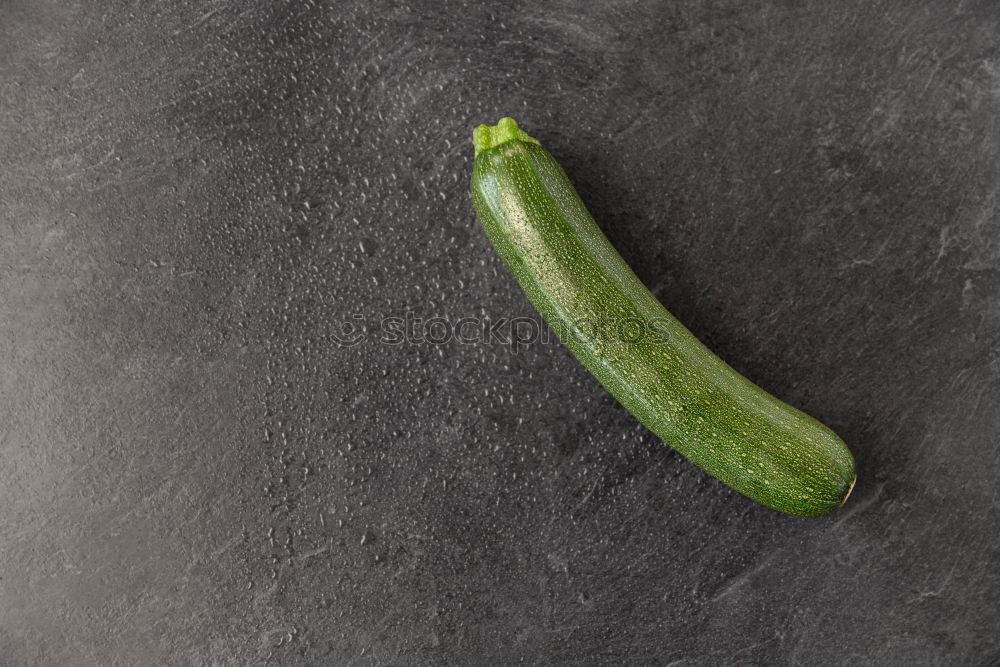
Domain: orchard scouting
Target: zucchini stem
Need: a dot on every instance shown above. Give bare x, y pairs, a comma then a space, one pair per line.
485, 137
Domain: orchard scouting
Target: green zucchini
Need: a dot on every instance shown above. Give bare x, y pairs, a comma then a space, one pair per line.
690, 398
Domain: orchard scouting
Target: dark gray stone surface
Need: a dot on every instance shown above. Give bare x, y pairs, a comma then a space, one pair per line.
196, 196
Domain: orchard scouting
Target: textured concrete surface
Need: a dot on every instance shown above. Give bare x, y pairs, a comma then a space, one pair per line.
196, 197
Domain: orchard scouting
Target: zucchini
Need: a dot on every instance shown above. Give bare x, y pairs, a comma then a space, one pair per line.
690, 398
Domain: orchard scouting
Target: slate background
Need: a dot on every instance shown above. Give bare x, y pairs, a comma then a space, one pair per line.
196, 196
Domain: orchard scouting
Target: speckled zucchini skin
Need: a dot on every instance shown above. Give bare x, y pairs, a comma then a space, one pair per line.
736, 431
